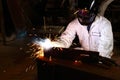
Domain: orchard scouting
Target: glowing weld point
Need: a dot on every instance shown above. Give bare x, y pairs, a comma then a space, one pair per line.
50, 58
46, 44
76, 61
41, 52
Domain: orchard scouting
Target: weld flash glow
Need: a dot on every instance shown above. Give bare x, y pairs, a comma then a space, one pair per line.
45, 43
42, 44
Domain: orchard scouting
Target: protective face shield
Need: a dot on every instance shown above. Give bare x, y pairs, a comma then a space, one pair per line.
87, 11
85, 18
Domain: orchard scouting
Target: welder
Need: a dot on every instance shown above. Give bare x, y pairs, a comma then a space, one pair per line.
93, 30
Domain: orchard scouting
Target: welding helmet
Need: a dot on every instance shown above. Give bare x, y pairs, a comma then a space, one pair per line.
87, 11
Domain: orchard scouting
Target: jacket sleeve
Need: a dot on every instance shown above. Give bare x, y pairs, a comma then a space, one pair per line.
66, 38
106, 40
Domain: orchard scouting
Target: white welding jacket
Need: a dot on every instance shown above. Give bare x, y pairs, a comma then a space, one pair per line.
99, 38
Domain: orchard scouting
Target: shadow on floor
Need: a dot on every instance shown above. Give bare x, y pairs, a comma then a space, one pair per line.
15, 64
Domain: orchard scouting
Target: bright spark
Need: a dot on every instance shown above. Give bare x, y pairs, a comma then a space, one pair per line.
45, 43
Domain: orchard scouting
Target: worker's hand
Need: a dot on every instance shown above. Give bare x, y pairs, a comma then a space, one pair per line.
57, 44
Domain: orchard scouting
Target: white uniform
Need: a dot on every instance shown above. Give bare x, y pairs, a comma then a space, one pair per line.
99, 38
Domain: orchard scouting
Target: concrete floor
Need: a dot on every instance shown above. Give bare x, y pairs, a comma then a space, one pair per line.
15, 64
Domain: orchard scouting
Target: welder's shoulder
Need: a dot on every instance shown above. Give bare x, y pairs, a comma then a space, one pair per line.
74, 22
103, 20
